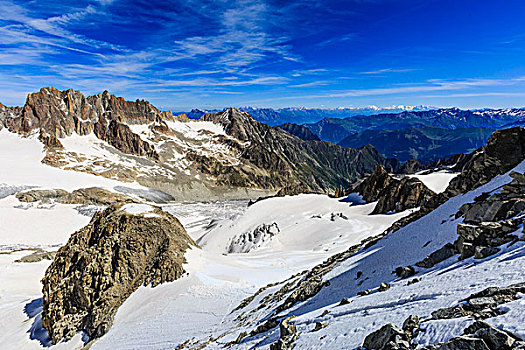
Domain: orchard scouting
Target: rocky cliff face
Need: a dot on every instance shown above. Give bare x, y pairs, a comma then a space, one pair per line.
370, 188
392, 194
401, 195
62, 113
287, 159
504, 150
122, 248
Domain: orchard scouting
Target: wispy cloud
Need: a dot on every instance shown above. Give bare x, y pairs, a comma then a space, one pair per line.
388, 70
312, 83
337, 39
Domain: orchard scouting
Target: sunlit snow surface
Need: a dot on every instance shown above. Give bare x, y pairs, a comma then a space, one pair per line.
437, 181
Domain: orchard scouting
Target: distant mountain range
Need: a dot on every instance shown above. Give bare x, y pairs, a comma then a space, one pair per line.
401, 132
426, 144
302, 115
425, 135
335, 130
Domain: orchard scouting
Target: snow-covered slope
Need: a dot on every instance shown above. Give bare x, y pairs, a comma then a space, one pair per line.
311, 228
162, 318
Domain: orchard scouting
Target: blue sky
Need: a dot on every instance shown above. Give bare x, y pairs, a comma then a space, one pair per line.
184, 54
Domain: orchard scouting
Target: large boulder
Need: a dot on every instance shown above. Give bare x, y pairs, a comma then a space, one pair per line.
387, 337
122, 248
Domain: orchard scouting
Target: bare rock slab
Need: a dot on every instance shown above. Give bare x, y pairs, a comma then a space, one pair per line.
122, 248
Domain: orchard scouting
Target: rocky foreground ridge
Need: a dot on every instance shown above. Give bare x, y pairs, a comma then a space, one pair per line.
122, 248
226, 153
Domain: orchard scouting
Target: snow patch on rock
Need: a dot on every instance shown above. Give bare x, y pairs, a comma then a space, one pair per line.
137, 209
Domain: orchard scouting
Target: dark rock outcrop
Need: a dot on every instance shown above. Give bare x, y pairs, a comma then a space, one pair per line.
104, 262
401, 195
388, 337
491, 221
482, 304
288, 334
443, 253
504, 150
411, 166
391, 194
404, 271
372, 186
480, 336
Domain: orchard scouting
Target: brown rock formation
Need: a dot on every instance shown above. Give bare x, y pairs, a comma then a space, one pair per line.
392, 194
401, 195
61, 113
104, 262
274, 158
370, 188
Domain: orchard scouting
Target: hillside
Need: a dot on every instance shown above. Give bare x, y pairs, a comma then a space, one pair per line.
425, 144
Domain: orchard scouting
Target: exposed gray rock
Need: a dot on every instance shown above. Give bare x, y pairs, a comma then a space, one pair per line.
383, 287
461, 343
387, 337
104, 262
483, 252
345, 301
443, 253
319, 326
411, 324
364, 292
495, 338
486, 234
482, 304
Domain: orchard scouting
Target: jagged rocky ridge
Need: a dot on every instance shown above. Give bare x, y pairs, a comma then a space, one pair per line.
392, 194
122, 248
285, 159
235, 156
